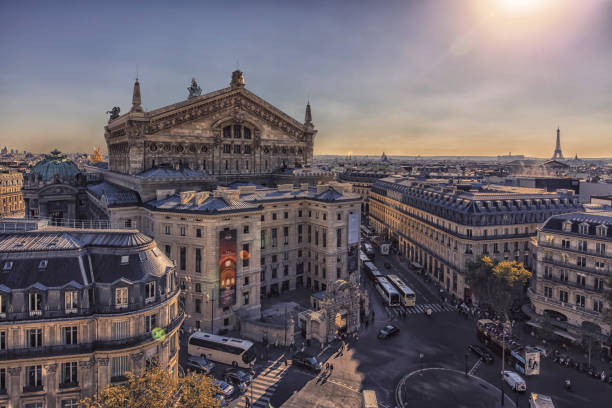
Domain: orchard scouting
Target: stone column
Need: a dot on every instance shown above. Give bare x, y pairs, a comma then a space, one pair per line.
50, 379
14, 390
103, 373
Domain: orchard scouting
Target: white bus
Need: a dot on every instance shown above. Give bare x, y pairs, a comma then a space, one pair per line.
407, 295
369, 251
387, 291
372, 271
225, 350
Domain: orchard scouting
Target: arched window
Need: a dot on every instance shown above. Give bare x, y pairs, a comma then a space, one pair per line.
247, 133
227, 132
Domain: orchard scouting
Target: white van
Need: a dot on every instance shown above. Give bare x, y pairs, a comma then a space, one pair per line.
515, 381
369, 399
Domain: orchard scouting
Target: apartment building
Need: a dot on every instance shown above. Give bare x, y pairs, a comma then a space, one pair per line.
441, 226
79, 308
11, 199
573, 258
278, 239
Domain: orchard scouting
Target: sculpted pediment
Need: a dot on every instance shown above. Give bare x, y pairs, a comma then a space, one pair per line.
237, 104
55, 189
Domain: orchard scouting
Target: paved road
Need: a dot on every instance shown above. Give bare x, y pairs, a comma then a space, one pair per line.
380, 364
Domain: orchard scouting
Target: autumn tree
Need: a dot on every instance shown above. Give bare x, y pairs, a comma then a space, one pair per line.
497, 283
156, 388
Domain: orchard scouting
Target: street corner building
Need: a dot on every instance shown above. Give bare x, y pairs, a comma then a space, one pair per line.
78, 309
572, 260
440, 226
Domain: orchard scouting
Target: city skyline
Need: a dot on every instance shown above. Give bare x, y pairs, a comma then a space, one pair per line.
434, 78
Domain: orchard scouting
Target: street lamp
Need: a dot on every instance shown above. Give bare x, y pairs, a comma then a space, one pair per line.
210, 298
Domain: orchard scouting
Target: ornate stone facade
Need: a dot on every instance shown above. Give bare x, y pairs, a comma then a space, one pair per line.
230, 131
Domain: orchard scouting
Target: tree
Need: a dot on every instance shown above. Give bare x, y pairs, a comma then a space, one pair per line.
497, 283
155, 388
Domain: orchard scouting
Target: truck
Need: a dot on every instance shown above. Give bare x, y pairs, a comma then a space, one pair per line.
382, 245
540, 401
525, 360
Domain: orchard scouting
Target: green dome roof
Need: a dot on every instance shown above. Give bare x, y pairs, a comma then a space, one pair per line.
55, 163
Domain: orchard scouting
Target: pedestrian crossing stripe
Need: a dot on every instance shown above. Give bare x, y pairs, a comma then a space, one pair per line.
263, 386
420, 308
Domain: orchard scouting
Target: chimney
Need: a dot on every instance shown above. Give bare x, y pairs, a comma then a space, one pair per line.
200, 197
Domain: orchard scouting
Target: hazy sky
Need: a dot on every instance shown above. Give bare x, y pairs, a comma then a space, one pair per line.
429, 77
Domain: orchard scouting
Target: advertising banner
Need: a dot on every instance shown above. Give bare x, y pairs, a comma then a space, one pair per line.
353, 228
353, 242
227, 268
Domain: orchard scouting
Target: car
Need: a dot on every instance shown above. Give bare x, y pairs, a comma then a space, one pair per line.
514, 380
238, 378
200, 364
387, 265
225, 388
307, 361
481, 352
388, 331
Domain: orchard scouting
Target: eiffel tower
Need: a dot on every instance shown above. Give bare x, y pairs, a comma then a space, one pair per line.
558, 154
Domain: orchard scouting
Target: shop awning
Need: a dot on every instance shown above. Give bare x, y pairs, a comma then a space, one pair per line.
565, 335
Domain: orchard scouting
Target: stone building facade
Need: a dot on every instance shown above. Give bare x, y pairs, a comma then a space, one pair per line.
55, 188
11, 198
286, 237
229, 131
441, 227
362, 184
79, 308
572, 264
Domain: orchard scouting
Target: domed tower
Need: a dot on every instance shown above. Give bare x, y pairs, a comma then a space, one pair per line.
55, 188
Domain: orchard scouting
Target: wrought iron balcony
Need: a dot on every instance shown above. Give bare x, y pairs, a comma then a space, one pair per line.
86, 348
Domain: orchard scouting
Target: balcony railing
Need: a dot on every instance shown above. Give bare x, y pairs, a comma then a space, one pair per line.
572, 284
565, 305
32, 388
588, 252
86, 348
588, 269
85, 311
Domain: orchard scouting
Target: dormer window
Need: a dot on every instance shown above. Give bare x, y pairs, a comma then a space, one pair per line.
125, 259
149, 292
43, 264
583, 228
35, 304
567, 226
121, 298
8, 266
71, 301
601, 230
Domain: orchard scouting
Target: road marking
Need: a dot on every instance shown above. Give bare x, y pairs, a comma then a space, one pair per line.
263, 386
476, 366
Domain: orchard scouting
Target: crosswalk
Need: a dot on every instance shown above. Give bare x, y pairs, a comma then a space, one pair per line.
264, 385
393, 312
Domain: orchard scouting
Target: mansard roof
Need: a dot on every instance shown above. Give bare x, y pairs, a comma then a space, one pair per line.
52, 258
592, 219
475, 199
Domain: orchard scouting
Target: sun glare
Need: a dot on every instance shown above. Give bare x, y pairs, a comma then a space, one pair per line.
521, 6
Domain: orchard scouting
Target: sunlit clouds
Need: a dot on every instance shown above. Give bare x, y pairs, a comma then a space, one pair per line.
436, 77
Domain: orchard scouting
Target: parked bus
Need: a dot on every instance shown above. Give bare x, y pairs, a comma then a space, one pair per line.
225, 350
390, 296
407, 295
372, 271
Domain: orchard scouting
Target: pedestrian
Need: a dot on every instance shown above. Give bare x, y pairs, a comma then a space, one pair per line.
247, 402
326, 366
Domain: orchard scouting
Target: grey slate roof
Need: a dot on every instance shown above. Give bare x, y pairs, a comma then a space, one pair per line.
114, 194
168, 173
210, 205
593, 219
